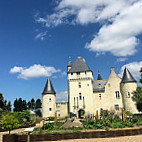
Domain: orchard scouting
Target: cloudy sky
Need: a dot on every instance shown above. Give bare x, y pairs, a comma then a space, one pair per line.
38, 37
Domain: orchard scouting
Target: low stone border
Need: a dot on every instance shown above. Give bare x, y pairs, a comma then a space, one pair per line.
77, 135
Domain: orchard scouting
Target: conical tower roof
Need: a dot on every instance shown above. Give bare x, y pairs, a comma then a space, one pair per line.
99, 77
70, 63
48, 89
79, 66
127, 76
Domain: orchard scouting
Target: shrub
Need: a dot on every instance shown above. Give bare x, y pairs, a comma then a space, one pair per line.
48, 126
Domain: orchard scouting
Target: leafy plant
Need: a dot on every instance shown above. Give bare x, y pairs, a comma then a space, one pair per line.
9, 122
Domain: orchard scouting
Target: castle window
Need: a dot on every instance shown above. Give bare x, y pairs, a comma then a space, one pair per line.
78, 73
49, 99
50, 109
71, 73
85, 72
129, 95
117, 94
100, 96
80, 96
116, 107
79, 84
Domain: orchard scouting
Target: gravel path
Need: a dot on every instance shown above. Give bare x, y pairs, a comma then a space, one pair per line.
137, 138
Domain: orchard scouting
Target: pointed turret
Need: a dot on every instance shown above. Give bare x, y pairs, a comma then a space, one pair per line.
48, 89
99, 77
70, 63
127, 76
48, 100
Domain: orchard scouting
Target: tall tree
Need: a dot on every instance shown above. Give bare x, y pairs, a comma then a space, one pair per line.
24, 105
29, 105
38, 104
32, 104
8, 106
137, 97
141, 75
2, 102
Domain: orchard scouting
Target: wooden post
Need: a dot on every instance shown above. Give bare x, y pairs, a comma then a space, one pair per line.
55, 120
96, 116
123, 115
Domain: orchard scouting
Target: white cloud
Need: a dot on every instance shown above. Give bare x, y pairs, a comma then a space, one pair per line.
133, 67
33, 71
62, 96
63, 73
121, 59
41, 35
118, 36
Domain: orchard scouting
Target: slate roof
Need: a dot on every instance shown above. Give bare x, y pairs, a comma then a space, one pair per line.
99, 77
79, 66
127, 76
70, 63
48, 89
99, 85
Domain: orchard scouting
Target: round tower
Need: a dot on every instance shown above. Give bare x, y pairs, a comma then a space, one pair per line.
48, 100
128, 85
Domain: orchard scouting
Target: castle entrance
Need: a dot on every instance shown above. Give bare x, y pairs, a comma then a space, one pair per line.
81, 113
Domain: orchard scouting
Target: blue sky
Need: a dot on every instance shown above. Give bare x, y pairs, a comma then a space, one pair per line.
37, 38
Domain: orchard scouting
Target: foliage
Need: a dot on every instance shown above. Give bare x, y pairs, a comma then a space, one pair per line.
2, 102
38, 104
9, 122
141, 75
137, 97
8, 106
20, 105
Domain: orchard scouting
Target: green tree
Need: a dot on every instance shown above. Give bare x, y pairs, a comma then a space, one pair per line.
32, 104
9, 122
137, 97
29, 105
38, 104
2, 102
8, 106
141, 75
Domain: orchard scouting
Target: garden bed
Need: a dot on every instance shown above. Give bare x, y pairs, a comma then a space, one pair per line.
77, 135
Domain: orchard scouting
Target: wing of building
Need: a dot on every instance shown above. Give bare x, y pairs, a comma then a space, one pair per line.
87, 96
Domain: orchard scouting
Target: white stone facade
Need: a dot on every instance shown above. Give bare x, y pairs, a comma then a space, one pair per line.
89, 96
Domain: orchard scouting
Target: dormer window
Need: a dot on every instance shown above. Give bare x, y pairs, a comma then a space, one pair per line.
49, 99
78, 73
71, 73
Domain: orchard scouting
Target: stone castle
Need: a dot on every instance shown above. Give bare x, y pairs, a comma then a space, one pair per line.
87, 96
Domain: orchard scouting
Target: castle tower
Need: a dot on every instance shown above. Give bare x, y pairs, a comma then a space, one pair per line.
48, 100
69, 64
128, 85
80, 88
